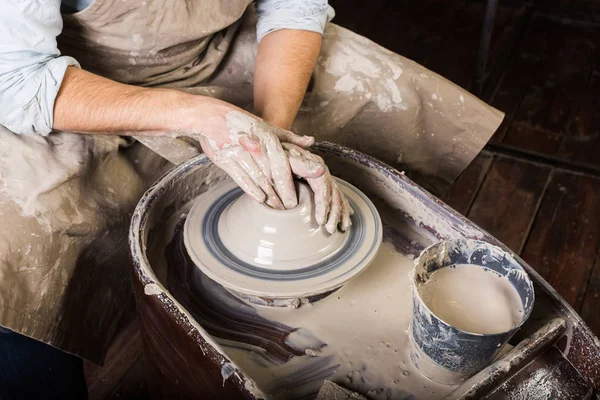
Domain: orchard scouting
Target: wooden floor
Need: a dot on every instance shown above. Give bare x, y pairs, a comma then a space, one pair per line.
536, 186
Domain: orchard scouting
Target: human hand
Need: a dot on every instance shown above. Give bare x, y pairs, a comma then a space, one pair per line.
331, 206
250, 151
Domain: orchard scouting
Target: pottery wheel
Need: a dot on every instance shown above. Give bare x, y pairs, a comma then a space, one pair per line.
252, 249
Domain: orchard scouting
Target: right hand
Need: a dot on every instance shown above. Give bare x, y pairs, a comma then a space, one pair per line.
332, 209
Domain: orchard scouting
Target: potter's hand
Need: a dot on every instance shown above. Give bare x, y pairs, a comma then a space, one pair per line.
331, 206
250, 151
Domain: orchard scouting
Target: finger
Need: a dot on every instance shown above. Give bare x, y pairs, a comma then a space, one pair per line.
239, 175
335, 211
247, 162
290, 137
322, 190
252, 145
225, 159
303, 163
346, 212
281, 172
207, 149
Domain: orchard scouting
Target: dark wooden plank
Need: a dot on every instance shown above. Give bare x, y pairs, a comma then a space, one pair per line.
566, 234
590, 307
461, 194
510, 23
519, 73
585, 7
454, 56
413, 28
347, 15
555, 6
124, 351
582, 145
507, 202
557, 87
134, 385
527, 138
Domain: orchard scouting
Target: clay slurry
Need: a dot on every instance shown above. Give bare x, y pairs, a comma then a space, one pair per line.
473, 299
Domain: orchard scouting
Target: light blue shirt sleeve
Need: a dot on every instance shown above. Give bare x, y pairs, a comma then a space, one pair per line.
306, 15
31, 67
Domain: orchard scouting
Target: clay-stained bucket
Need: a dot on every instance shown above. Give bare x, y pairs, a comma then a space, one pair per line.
443, 352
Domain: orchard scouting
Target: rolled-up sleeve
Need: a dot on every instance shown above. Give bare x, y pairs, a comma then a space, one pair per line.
307, 15
31, 66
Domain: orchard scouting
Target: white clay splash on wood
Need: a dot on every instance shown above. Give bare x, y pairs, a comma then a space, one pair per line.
473, 299
365, 326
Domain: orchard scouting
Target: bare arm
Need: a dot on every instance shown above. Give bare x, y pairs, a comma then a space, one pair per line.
285, 61
284, 64
88, 103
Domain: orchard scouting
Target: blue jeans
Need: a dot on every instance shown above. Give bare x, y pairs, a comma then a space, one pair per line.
33, 370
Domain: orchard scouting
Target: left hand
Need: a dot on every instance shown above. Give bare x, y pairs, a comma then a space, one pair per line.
249, 150
331, 206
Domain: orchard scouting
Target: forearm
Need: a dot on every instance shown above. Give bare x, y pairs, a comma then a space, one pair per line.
284, 64
88, 103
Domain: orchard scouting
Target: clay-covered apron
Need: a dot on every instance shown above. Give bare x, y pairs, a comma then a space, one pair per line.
66, 199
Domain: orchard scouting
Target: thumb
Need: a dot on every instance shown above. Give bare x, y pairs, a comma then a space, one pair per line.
286, 136
304, 164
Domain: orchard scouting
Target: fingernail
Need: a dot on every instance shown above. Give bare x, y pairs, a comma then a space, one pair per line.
290, 203
331, 228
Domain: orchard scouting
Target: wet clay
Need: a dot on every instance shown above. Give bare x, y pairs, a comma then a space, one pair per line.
473, 299
364, 326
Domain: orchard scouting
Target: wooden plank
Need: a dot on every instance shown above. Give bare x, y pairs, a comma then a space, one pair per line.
590, 307
557, 87
508, 200
566, 234
461, 194
516, 79
124, 351
582, 145
454, 56
586, 7
510, 23
347, 16
527, 138
406, 28
435, 26
134, 385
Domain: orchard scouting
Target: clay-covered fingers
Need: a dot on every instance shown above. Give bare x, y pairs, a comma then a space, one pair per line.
332, 208
286, 136
281, 172
347, 211
243, 169
335, 210
321, 188
247, 162
304, 164
341, 219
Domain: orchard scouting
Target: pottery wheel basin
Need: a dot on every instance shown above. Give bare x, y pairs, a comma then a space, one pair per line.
192, 327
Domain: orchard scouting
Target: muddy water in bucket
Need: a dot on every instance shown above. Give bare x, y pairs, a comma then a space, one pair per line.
469, 298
